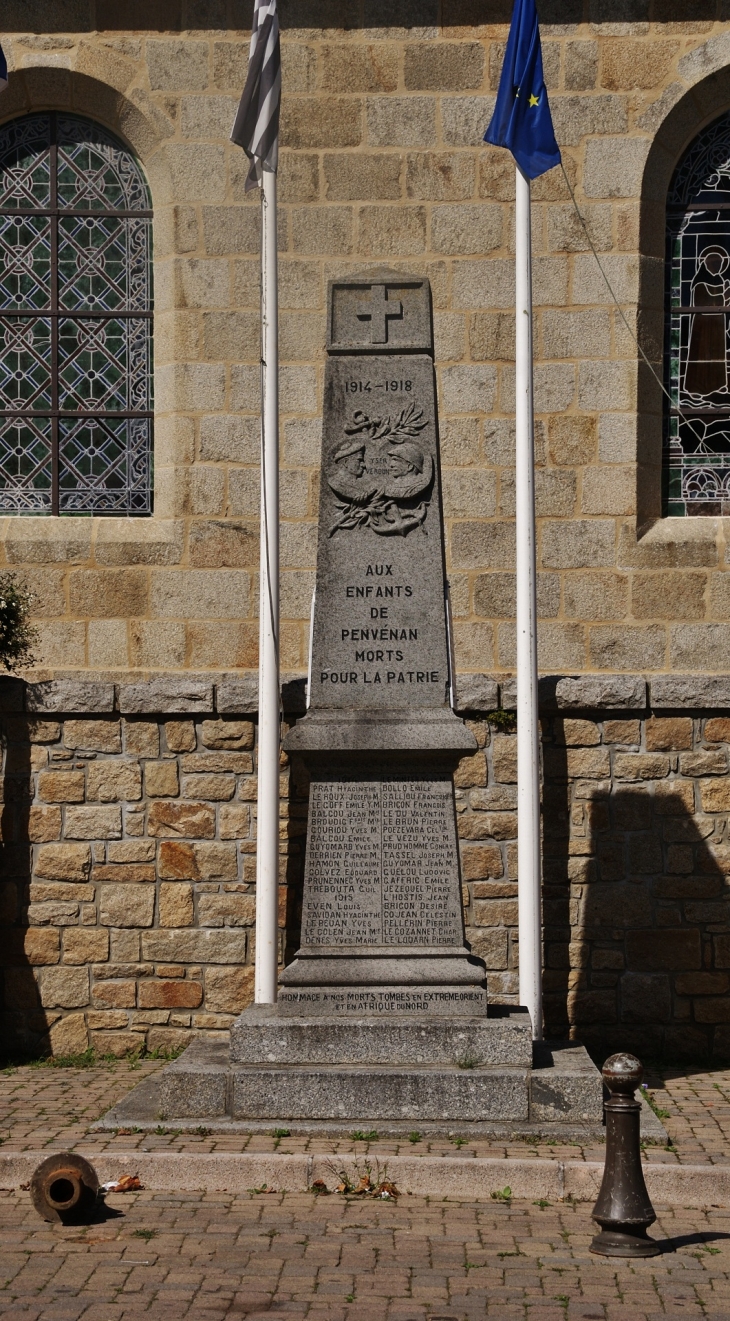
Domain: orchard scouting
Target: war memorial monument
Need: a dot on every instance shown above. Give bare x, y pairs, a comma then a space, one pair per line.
383, 1013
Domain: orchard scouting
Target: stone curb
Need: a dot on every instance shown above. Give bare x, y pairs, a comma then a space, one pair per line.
458, 1178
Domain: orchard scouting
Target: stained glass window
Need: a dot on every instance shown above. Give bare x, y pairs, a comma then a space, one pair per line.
697, 421
75, 321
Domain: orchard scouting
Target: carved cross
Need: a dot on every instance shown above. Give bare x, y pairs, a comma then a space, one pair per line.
379, 311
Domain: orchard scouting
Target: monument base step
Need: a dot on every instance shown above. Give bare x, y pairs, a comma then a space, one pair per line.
560, 1096
262, 1035
344, 1092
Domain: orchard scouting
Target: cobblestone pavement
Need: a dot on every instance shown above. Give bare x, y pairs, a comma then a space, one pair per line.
286, 1256
43, 1107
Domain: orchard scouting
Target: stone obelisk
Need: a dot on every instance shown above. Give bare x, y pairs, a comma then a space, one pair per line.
382, 929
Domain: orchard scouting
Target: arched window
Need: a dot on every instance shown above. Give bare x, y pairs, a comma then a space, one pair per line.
75, 321
697, 421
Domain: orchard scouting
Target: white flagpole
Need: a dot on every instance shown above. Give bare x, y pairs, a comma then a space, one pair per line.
528, 765
267, 840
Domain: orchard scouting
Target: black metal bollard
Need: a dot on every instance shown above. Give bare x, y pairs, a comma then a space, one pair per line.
623, 1208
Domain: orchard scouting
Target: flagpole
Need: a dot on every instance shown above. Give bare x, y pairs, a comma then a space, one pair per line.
528, 764
267, 840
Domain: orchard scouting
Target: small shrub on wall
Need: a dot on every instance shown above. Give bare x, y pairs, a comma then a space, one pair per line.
17, 634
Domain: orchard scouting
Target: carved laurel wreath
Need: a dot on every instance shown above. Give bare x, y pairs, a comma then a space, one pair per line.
387, 505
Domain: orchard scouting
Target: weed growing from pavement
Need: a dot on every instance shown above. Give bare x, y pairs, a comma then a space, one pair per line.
502, 1194
651, 1101
468, 1061
361, 1181
360, 1136
146, 1234
415, 1136
90, 1059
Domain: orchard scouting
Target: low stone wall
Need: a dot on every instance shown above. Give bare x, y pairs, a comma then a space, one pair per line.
128, 866
127, 887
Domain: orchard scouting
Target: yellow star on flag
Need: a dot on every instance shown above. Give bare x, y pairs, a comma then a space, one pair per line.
534, 100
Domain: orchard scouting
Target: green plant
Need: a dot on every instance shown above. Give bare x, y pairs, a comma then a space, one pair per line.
415, 1136
17, 635
202, 1131
86, 1059
146, 1234
89, 1059
649, 1097
349, 1297
468, 1061
504, 720
282, 1132
542, 1203
459, 1142
502, 1194
360, 1136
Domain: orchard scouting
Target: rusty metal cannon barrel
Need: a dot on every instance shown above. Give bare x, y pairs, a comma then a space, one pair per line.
65, 1188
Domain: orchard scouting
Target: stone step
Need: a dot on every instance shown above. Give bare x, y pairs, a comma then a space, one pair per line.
561, 1094
565, 1085
426, 1092
261, 1035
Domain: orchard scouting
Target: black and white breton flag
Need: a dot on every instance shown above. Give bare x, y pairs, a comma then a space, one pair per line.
257, 123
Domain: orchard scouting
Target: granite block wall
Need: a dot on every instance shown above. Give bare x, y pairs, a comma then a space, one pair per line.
383, 162
127, 863
636, 877
127, 878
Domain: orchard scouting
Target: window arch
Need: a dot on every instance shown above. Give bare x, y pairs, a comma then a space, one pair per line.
75, 321
696, 460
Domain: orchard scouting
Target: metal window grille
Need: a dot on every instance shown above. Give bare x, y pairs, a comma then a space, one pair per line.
696, 457
75, 321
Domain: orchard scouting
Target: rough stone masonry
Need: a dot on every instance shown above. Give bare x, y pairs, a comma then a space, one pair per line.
381, 162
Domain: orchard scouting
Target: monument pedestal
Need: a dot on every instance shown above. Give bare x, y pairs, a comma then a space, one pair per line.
315, 1076
382, 929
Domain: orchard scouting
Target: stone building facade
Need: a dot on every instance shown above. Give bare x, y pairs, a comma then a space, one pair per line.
129, 805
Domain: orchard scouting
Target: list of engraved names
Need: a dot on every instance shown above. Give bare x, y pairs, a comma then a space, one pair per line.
382, 864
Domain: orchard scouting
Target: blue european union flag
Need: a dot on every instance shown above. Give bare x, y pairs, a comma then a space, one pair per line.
522, 120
